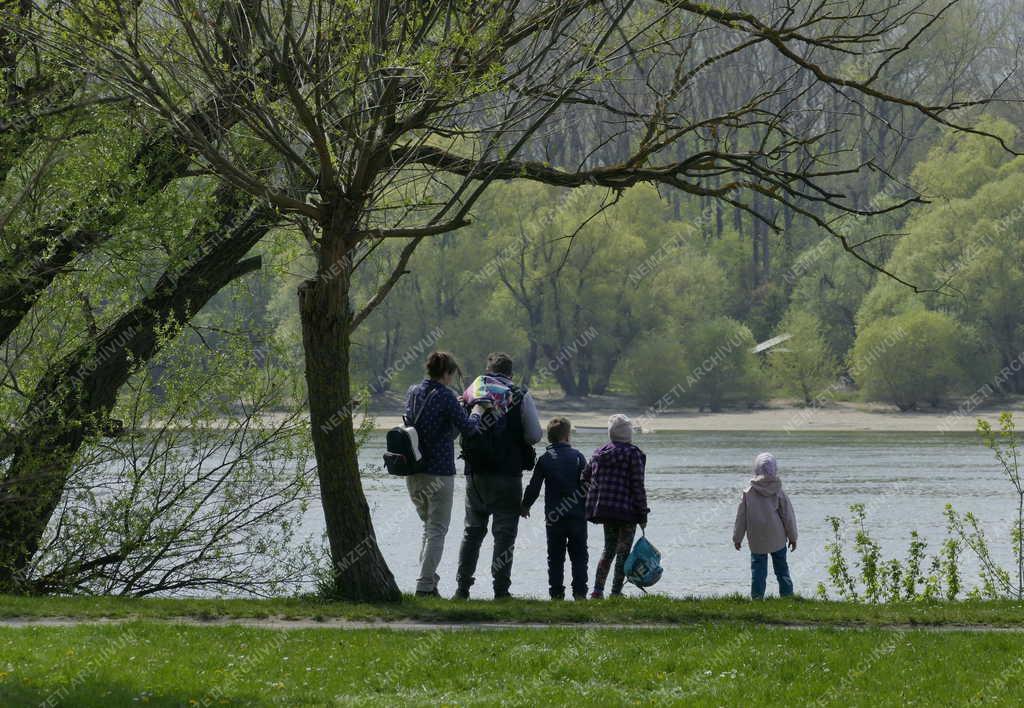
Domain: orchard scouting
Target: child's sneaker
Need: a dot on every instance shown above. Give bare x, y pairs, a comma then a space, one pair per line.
597, 595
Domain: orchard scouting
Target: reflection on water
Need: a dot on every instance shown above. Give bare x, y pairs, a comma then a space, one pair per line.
693, 482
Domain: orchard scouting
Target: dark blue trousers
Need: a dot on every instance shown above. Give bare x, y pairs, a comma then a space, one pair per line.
567, 536
759, 573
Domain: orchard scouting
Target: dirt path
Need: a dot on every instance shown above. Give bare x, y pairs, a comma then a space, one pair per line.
281, 623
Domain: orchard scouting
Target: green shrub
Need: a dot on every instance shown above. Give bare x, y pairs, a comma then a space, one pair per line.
881, 580
803, 365
914, 357
720, 364
709, 364
870, 577
657, 365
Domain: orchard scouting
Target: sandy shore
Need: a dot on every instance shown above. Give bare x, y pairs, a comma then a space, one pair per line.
594, 413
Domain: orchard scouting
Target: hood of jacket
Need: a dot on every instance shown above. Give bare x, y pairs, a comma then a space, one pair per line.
766, 486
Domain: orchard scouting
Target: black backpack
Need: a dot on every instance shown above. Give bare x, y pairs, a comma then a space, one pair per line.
403, 455
499, 446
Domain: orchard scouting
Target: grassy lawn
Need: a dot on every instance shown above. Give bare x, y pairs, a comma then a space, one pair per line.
647, 609
145, 663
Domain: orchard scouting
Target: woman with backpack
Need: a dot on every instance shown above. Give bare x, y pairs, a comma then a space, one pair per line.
433, 409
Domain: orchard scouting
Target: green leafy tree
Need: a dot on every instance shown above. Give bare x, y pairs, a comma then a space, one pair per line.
804, 364
656, 366
708, 364
965, 252
831, 288
913, 357
721, 367
109, 246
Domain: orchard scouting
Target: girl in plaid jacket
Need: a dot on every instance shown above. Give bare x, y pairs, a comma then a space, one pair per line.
616, 499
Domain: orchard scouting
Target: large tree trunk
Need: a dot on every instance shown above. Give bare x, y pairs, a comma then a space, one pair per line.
583, 382
536, 319
563, 371
30, 493
530, 365
603, 374
33, 266
360, 571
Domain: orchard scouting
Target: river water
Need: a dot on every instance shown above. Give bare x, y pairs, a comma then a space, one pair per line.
694, 480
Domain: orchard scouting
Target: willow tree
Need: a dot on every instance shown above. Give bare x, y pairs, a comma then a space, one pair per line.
54, 123
366, 121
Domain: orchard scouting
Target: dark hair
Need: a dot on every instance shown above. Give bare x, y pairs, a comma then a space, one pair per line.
441, 363
499, 363
559, 430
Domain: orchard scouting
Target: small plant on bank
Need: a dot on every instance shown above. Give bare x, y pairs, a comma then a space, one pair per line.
838, 568
967, 533
1004, 445
878, 579
881, 580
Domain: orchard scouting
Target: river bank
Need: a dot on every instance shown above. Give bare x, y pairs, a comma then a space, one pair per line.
592, 413
776, 416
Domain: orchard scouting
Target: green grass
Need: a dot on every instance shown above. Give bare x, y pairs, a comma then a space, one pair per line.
145, 663
651, 609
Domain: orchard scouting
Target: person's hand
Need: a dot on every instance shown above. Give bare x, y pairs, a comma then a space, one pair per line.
524, 511
738, 545
792, 545
477, 410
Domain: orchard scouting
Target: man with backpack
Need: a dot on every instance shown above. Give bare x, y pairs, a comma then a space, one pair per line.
495, 459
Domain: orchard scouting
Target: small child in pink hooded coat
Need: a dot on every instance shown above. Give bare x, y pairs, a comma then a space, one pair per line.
766, 517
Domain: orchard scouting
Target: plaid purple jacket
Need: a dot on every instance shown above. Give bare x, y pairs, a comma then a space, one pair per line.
615, 479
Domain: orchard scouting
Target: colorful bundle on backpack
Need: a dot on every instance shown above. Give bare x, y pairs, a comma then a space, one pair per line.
489, 388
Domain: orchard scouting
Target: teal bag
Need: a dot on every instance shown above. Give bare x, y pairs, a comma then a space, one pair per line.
643, 565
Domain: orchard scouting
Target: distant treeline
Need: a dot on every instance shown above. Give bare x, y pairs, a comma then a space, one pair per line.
657, 297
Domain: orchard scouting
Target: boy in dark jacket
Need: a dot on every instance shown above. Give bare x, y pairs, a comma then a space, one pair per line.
560, 470
616, 499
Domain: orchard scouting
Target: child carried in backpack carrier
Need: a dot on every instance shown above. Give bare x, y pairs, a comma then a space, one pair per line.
489, 391
498, 398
